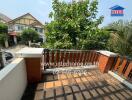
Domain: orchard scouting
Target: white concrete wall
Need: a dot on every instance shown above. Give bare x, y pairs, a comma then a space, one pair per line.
13, 80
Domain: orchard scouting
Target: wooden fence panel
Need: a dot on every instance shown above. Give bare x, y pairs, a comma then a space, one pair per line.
59, 58
68, 58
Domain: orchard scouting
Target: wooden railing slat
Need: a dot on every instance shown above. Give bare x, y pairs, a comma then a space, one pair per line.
90, 56
81, 57
52, 58
122, 66
66, 58
87, 58
84, 58
74, 58
128, 70
57, 58
61, 58
93, 58
77, 59
117, 63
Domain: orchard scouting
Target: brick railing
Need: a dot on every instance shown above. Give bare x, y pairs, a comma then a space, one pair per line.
69, 58
123, 67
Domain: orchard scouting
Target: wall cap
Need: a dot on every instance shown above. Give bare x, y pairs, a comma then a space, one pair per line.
119, 78
30, 52
7, 69
108, 53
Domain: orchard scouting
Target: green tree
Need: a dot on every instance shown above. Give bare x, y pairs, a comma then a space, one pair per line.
3, 33
121, 37
75, 25
29, 35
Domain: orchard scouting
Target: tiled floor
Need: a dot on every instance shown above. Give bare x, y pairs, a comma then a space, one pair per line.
93, 85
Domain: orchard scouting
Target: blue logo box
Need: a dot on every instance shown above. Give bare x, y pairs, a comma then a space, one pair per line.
117, 11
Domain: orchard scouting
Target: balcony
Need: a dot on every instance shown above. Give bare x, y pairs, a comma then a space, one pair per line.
39, 74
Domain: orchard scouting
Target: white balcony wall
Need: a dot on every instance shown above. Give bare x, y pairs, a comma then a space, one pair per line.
11, 27
13, 80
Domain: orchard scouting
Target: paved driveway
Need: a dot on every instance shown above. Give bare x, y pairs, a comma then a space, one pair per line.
13, 50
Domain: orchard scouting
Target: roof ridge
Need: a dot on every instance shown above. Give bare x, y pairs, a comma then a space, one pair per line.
25, 15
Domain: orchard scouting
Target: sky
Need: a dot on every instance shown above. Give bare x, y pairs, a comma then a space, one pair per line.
41, 9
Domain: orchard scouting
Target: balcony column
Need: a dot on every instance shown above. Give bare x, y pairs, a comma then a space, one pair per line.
33, 59
106, 60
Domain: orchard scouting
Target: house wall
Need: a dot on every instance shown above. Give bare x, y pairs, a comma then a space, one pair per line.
13, 80
2, 21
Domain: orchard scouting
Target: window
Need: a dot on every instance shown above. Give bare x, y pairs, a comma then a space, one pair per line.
36, 29
41, 30
20, 27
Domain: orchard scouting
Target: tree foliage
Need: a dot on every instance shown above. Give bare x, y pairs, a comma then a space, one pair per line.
29, 35
121, 37
3, 33
75, 25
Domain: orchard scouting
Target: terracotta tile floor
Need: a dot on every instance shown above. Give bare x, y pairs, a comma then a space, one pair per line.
93, 85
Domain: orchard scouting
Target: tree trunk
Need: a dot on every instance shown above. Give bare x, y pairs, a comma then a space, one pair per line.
29, 43
6, 44
1, 60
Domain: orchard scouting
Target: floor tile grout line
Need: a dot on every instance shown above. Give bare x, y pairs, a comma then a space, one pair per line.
63, 89
108, 88
79, 87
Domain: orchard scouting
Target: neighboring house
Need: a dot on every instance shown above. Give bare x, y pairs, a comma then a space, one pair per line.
17, 25
4, 18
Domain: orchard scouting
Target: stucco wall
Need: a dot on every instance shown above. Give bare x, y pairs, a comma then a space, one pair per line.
13, 80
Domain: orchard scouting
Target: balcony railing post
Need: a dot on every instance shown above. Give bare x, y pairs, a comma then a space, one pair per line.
46, 58
106, 60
